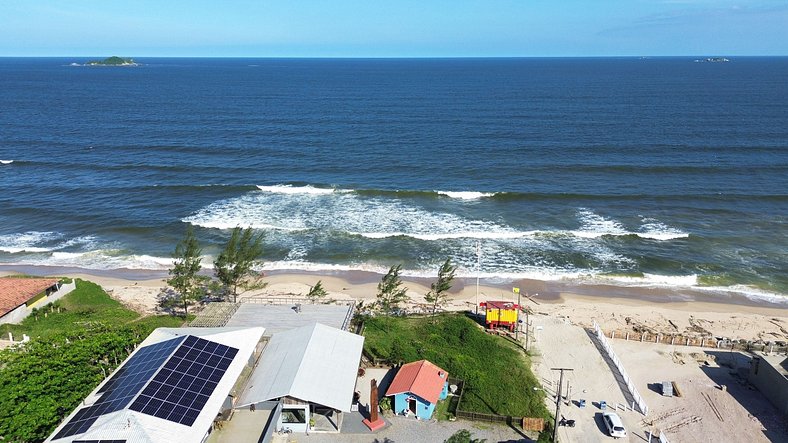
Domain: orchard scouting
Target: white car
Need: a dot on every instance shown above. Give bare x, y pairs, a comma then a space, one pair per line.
615, 427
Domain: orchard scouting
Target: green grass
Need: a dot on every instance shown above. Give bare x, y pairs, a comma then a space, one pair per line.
497, 374
76, 342
86, 306
442, 410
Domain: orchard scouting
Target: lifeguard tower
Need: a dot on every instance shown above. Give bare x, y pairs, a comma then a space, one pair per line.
501, 314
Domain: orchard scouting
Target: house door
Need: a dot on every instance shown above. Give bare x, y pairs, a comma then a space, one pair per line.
412, 405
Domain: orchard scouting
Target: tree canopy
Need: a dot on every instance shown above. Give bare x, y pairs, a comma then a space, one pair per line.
463, 436
188, 286
439, 291
236, 263
390, 292
316, 292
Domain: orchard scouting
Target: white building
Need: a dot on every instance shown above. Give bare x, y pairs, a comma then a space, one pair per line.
169, 390
310, 370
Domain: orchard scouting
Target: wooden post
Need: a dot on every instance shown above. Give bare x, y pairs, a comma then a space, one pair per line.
627, 337
374, 422
373, 401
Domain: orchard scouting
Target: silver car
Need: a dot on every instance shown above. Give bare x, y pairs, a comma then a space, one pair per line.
615, 427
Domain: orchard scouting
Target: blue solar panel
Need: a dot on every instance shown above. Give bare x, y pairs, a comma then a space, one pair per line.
180, 390
122, 387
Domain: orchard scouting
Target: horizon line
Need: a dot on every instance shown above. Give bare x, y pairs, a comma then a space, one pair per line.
400, 57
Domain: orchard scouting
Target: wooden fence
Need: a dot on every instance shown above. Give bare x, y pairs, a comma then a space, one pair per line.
698, 341
526, 423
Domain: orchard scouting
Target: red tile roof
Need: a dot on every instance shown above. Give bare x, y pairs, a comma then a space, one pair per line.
17, 291
421, 378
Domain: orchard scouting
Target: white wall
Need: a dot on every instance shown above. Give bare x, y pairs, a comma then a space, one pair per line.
17, 315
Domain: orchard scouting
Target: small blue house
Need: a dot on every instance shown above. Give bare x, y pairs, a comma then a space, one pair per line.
417, 387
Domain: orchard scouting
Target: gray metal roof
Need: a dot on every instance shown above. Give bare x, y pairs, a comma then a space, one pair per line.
279, 318
314, 363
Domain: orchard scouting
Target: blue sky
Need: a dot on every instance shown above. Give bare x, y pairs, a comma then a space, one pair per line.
350, 28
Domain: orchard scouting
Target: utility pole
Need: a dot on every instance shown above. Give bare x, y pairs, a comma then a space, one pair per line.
558, 401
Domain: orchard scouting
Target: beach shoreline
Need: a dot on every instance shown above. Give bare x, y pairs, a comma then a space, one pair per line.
544, 291
657, 310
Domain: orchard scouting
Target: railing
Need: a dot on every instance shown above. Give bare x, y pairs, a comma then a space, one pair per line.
348, 317
614, 358
216, 314
275, 300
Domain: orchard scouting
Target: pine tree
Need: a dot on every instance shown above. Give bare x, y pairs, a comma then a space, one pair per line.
188, 287
316, 292
390, 294
234, 267
438, 294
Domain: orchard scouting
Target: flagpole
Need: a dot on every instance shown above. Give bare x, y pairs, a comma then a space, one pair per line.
478, 270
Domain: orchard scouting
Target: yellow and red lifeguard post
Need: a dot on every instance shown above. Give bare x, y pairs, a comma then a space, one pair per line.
501, 314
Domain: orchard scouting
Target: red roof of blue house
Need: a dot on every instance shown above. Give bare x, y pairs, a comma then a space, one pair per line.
421, 378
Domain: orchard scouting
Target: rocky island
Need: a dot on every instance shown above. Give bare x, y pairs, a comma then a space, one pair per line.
112, 61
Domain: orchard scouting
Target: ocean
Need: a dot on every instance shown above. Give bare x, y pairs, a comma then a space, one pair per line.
624, 171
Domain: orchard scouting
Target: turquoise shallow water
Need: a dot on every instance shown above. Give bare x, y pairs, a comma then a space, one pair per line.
626, 171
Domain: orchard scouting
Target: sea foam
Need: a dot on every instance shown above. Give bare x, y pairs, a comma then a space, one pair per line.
596, 226
342, 212
289, 189
30, 241
465, 195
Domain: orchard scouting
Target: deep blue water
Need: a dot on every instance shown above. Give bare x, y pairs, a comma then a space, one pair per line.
662, 170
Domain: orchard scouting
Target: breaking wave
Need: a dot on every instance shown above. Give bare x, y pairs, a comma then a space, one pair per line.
37, 241
303, 208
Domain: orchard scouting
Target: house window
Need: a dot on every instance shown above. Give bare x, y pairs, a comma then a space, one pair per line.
293, 416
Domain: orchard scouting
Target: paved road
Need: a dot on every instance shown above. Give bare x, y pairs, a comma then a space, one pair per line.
410, 430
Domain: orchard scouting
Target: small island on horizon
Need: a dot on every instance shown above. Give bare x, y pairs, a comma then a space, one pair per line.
113, 61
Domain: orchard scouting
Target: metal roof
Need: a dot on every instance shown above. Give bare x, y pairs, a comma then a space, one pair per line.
314, 363
278, 318
499, 304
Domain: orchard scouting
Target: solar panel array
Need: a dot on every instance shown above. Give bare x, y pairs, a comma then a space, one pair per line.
177, 392
122, 387
185, 383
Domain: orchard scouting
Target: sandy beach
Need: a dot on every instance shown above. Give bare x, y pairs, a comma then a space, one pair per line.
654, 310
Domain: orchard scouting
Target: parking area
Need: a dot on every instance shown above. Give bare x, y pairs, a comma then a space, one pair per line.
560, 344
